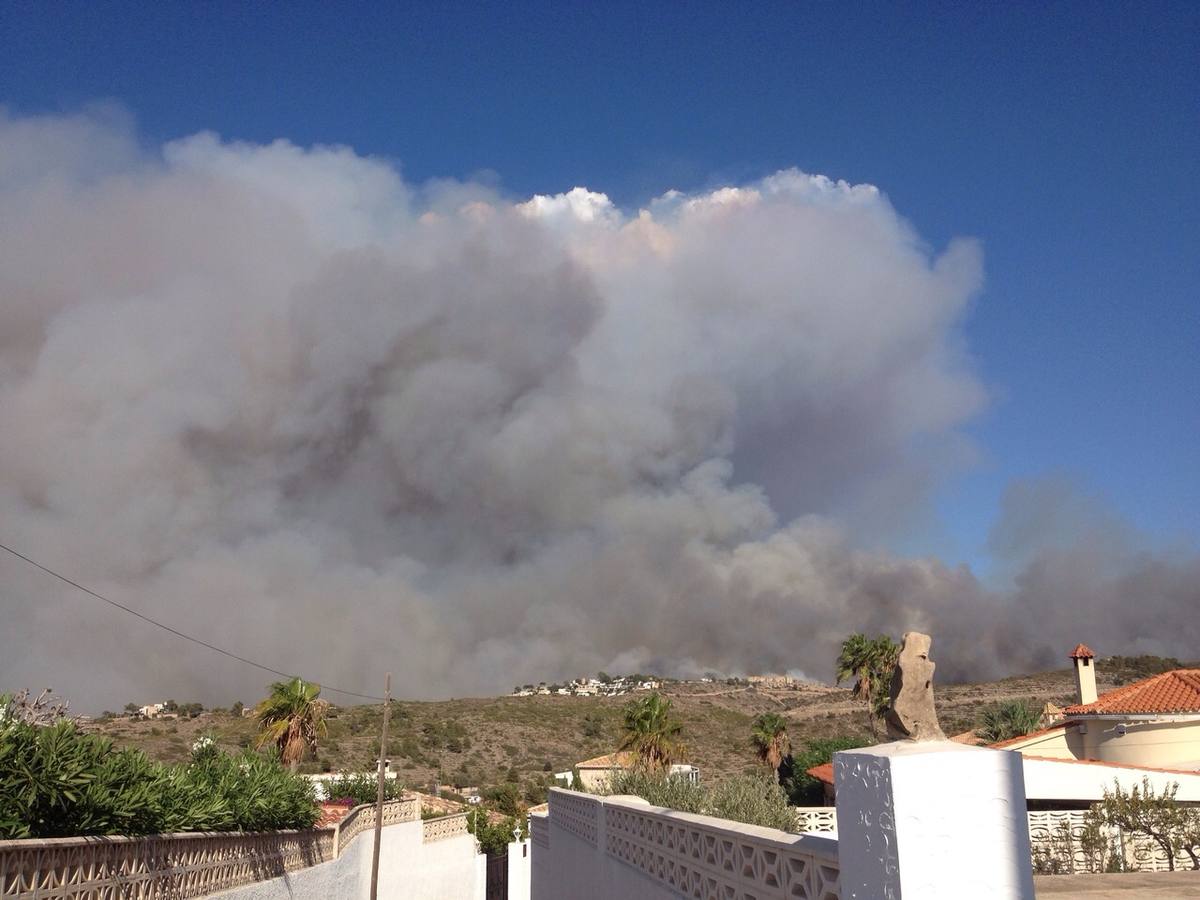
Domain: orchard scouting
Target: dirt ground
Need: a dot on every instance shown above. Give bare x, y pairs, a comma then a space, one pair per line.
1126, 885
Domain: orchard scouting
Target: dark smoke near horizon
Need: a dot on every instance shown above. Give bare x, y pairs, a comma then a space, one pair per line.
343, 424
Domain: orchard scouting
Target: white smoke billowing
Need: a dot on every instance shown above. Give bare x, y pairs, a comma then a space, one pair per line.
343, 424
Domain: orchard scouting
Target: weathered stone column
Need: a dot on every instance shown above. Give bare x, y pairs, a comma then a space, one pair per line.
932, 820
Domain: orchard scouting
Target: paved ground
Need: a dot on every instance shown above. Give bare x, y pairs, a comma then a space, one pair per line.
1126, 886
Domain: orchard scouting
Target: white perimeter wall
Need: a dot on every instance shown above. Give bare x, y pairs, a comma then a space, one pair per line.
622, 848
1048, 779
579, 871
448, 869
520, 859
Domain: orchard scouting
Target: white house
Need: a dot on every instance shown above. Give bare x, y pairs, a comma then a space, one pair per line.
1151, 723
1147, 729
596, 772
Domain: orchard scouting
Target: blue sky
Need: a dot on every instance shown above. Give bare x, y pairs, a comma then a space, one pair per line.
1066, 138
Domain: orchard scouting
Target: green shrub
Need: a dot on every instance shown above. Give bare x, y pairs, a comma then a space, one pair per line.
802, 789
752, 799
56, 781
505, 798
362, 788
1008, 719
493, 839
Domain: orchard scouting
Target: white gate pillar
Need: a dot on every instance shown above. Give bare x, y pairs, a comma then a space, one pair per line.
932, 820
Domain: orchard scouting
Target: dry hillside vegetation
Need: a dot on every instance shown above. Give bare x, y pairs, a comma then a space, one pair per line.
486, 741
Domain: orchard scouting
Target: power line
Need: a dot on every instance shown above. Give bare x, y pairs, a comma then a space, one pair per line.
175, 631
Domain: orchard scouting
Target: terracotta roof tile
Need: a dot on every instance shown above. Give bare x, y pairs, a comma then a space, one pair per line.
622, 759
1082, 651
823, 772
970, 738
331, 814
1177, 691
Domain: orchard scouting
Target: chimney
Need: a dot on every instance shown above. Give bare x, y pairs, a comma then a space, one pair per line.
1085, 673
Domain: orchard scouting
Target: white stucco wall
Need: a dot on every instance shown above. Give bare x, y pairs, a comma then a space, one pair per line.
1164, 744
449, 869
1048, 779
912, 817
592, 848
577, 870
1062, 743
520, 860
596, 780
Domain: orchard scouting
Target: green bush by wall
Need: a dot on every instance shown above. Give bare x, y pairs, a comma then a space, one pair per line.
56, 781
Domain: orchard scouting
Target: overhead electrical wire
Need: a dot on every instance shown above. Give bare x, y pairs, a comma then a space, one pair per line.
176, 631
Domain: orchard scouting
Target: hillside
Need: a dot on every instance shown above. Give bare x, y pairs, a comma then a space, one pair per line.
486, 741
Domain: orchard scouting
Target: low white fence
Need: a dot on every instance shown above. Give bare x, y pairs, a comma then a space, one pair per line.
597, 847
177, 866
1055, 837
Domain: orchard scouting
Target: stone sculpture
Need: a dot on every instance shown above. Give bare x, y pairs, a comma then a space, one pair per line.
911, 716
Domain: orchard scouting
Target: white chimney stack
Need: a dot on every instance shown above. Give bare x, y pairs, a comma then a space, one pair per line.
1085, 673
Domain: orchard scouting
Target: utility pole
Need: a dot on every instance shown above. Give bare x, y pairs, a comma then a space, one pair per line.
387, 708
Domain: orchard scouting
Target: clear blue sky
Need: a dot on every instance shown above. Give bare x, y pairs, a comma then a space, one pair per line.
1066, 137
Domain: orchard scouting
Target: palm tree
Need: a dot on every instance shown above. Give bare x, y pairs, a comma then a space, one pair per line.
651, 733
1009, 719
292, 717
771, 741
869, 661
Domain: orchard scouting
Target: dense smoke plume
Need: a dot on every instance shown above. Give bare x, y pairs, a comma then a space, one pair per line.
340, 423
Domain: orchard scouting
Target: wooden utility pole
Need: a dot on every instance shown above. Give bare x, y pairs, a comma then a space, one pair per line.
387, 708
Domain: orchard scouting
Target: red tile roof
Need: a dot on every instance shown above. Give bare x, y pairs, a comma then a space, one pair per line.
1082, 651
970, 738
331, 814
823, 772
1177, 691
622, 759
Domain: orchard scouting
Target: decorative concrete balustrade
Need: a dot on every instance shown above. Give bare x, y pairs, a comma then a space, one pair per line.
593, 847
1055, 837
444, 827
362, 818
1057, 840
816, 819
177, 866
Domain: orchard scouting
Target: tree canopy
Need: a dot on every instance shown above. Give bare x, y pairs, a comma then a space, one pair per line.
770, 739
870, 662
651, 733
292, 719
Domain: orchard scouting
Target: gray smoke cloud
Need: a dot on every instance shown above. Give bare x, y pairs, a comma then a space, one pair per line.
343, 424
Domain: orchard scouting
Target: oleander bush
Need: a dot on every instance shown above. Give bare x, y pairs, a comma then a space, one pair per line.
56, 781
362, 788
